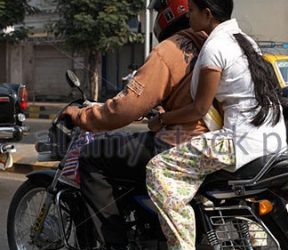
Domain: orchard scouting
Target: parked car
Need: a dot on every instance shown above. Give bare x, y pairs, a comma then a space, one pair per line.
13, 102
280, 65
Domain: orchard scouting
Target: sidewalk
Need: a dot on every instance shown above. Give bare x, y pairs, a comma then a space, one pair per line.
26, 160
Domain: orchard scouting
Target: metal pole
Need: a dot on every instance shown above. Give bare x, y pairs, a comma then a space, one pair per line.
147, 31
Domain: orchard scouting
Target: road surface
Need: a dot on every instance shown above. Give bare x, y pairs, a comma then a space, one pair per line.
9, 182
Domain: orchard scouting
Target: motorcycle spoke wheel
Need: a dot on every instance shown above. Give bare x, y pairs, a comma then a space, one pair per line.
23, 211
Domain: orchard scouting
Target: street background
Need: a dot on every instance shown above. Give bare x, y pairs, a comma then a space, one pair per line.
40, 62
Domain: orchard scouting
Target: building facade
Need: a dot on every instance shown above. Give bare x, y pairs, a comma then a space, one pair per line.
41, 61
265, 20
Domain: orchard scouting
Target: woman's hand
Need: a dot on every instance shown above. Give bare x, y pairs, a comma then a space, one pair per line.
154, 124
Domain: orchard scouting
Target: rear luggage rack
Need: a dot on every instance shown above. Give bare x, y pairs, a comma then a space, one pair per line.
244, 230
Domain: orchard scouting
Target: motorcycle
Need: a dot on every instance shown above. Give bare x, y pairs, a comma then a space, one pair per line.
242, 210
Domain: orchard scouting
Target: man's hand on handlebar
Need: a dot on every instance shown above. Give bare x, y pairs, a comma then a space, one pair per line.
77, 116
73, 112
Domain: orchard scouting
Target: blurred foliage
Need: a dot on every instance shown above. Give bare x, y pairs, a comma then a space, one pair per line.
12, 12
97, 25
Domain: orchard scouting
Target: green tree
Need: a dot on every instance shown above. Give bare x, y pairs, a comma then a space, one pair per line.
13, 12
94, 27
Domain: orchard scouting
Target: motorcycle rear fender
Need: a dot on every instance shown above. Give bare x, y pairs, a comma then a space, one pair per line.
49, 173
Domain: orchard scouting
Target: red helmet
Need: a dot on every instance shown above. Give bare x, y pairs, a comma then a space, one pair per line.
171, 17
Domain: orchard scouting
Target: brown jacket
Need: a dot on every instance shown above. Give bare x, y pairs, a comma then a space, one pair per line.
163, 80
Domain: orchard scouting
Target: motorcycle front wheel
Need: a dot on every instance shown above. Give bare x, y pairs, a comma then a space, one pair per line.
23, 211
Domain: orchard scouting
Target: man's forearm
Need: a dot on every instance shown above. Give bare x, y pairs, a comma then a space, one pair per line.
114, 114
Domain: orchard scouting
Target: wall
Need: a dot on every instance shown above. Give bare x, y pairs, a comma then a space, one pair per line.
115, 66
265, 20
15, 64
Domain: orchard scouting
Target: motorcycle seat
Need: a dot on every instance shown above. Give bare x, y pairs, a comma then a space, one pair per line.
223, 179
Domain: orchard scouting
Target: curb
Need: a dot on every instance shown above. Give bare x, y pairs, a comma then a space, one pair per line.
26, 168
43, 110
40, 116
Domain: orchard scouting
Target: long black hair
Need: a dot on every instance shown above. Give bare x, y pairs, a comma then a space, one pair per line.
220, 9
266, 85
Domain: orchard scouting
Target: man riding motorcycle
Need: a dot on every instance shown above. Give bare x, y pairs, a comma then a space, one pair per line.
164, 80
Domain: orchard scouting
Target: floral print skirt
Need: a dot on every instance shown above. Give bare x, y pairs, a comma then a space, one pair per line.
173, 178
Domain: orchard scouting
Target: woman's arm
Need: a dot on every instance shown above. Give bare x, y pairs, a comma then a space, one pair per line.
208, 84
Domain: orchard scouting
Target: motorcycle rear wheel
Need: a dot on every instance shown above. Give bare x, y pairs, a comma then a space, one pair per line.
23, 211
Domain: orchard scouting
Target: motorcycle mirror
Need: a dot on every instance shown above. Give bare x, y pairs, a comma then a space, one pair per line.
74, 82
72, 79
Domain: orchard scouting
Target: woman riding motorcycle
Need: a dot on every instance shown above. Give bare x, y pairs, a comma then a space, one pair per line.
231, 69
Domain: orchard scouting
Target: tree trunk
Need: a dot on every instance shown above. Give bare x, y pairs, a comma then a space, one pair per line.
94, 63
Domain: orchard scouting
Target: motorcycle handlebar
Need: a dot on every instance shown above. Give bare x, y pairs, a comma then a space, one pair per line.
67, 121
